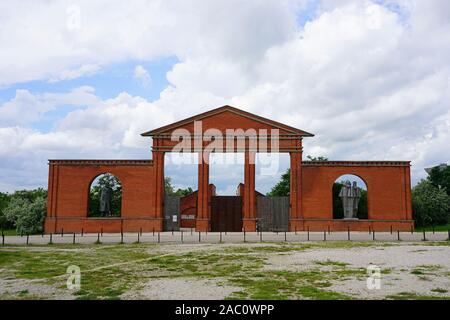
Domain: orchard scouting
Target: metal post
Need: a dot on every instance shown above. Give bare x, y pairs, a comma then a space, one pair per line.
62, 232
73, 241
424, 237
191, 231
412, 229
324, 236
182, 237
220, 237
51, 238
373, 234
308, 233
398, 235
121, 237
159, 237
153, 231
3, 238
82, 232
98, 237
391, 229
199, 237
28, 238
260, 237
141, 231
246, 240
285, 237
172, 230
139, 235
348, 233
433, 228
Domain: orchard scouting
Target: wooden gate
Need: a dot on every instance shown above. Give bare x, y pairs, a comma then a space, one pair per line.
171, 213
273, 213
226, 213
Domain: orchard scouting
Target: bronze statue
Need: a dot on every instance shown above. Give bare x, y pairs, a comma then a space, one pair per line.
350, 195
105, 201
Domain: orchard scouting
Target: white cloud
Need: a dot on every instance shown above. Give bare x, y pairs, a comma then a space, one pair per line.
142, 76
371, 82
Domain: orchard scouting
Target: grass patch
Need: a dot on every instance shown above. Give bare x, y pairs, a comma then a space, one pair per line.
414, 296
439, 228
331, 263
439, 290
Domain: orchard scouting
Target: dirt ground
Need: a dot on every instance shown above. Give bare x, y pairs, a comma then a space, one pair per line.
418, 270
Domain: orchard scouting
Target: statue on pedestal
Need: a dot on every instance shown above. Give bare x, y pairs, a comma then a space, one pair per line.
350, 196
105, 201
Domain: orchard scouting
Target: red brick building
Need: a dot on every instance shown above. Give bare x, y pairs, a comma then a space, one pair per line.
310, 198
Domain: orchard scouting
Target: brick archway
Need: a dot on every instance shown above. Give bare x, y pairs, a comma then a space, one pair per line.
143, 180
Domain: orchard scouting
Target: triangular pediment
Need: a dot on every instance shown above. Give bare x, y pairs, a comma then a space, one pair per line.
228, 117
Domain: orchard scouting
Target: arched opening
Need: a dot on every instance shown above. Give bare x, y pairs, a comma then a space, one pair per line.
105, 196
350, 198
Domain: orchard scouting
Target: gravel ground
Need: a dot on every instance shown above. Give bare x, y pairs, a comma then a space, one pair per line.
415, 268
398, 263
11, 288
181, 289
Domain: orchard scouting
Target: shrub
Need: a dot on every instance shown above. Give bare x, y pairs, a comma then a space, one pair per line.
27, 216
431, 204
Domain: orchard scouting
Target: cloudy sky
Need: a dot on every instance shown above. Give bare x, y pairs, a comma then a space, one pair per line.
82, 79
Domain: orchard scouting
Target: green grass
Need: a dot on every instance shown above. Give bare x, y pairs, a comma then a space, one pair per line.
10, 232
414, 296
439, 228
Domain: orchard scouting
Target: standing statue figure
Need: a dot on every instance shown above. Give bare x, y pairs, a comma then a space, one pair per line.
357, 195
350, 195
105, 201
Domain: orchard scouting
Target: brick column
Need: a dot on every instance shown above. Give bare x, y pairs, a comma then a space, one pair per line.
249, 207
158, 160
203, 210
295, 191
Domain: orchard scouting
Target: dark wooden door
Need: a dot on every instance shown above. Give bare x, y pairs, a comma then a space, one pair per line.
171, 213
226, 213
273, 213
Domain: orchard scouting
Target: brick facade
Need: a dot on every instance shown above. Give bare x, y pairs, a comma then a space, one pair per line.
389, 186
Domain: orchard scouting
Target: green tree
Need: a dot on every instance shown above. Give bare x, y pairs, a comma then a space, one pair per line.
283, 187
4, 200
105, 180
440, 177
26, 215
170, 190
431, 204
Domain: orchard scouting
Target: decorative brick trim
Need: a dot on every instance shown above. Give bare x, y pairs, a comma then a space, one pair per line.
356, 163
86, 162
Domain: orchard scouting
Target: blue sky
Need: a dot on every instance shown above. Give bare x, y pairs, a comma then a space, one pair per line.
370, 78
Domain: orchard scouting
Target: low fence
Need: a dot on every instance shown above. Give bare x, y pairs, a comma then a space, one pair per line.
192, 236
